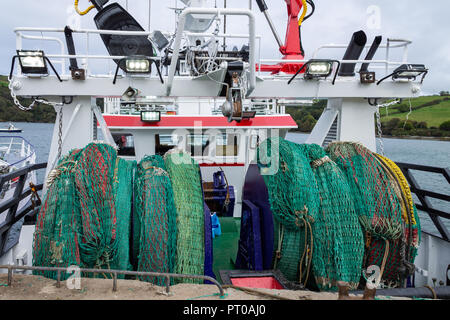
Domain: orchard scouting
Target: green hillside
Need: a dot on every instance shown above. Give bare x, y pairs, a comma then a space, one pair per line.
434, 110
9, 112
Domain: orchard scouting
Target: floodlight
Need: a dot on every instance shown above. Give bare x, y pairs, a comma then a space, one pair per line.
32, 61
150, 116
408, 72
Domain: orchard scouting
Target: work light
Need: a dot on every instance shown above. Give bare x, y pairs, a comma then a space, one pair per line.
408, 72
32, 61
137, 65
318, 69
150, 116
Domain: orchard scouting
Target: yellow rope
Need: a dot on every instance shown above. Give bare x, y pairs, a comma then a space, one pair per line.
82, 13
403, 185
305, 9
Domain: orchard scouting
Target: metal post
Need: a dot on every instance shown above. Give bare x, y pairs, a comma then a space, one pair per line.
149, 14
115, 282
168, 285
58, 279
224, 26
10, 275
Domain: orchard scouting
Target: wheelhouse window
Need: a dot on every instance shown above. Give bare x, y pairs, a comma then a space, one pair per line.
165, 143
197, 144
125, 142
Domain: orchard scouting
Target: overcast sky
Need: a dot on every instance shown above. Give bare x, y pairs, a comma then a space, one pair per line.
427, 24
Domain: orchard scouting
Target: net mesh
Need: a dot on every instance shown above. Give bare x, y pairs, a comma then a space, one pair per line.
184, 173
316, 226
339, 242
157, 215
293, 196
385, 209
56, 241
95, 176
123, 193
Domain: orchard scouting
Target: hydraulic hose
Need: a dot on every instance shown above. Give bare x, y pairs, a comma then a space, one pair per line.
302, 17
82, 13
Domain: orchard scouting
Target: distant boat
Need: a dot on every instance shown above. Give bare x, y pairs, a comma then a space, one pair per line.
11, 128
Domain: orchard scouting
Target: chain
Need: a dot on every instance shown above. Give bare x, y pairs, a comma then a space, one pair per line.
60, 113
380, 131
31, 106
379, 128
16, 101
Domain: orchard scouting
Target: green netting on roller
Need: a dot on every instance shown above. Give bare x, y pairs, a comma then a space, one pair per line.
386, 210
95, 175
377, 204
338, 237
123, 192
184, 172
155, 209
56, 241
293, 196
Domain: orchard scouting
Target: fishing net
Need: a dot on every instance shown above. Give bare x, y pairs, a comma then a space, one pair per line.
157, 215
95, 175
123, 193
377, 206
293, 196
401, 262
338, 238
56, 236
384, 207
184, 173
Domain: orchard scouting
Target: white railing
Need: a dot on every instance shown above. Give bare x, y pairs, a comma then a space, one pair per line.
255, 59
16, 151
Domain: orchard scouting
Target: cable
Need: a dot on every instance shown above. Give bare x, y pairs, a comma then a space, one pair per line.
313, 9
302, 17
82, 13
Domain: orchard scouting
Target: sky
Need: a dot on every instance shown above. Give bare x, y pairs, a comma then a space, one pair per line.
427, 24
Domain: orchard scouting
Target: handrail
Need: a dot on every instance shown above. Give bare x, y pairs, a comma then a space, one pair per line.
23, 140
10, 207
423, 195
114, 273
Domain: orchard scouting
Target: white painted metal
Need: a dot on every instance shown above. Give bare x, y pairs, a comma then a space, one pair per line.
432, 261
325, 122
81, 133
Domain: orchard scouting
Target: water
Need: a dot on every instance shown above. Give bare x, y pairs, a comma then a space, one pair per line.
423, 152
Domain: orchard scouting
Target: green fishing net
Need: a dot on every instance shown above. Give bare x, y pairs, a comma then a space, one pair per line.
56, 240
293, 196
155, 209
184, 173
338, 237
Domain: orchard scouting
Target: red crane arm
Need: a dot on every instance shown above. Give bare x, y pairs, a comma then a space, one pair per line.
292, 49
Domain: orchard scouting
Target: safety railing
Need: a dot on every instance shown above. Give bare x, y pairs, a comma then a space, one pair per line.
402, 43
10, 206
114, 274
424, 196
255, 58
16, 150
